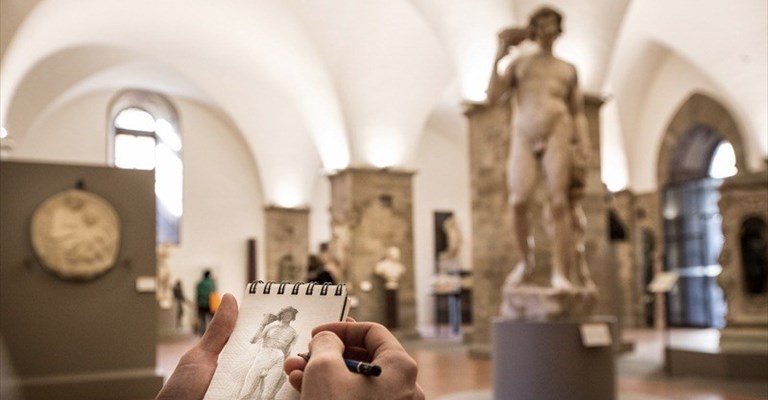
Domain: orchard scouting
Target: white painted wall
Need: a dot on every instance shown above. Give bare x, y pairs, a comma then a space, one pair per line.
223, 206
674, 81
441, 183
75, 133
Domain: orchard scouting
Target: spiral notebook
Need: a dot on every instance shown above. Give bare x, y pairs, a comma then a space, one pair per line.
275, 320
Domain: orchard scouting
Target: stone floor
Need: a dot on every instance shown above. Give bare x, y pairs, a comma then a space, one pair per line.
447, 373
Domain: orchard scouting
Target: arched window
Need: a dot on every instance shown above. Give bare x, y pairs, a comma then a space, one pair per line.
692, 226
723, 162
145, 135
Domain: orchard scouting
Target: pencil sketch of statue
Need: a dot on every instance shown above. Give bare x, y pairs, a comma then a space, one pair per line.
274, 341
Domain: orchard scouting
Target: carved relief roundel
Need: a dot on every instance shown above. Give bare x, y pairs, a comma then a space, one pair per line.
76, 234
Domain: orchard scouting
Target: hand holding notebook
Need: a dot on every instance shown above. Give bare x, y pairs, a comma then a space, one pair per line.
323, 379
275, 322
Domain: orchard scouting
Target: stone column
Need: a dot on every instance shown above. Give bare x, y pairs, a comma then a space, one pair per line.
371, 210
744, 197
595, 203
286, 243
493, 253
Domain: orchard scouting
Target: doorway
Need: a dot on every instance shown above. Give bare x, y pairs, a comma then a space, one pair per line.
692, 225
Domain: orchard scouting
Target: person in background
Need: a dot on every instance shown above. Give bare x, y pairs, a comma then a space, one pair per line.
180, 299
324, 376
316, 271
203, 290
331, 262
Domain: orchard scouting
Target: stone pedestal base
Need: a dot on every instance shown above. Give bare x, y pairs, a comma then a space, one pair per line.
547, 360
752, 340
118, 385
537, 303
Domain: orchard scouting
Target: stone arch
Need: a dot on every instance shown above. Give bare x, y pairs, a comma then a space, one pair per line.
699, 109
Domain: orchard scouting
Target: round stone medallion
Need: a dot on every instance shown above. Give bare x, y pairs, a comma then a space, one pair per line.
76, 234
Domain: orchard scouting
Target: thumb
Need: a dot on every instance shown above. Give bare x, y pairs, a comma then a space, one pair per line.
221, 326
326, 345
325, 367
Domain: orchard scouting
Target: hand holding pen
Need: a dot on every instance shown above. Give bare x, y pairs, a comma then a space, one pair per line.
360, 367
326, 374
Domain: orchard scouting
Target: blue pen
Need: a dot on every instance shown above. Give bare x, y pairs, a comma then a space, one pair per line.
358, 367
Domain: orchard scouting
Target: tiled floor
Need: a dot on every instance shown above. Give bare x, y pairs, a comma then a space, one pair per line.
447, 373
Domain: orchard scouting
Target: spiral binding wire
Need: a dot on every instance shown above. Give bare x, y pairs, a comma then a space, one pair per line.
296, 287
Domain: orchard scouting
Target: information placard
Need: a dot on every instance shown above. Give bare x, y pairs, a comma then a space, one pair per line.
595, 335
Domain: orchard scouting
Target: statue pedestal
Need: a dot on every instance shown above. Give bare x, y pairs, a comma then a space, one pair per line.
536, 360
538, 303
744, 339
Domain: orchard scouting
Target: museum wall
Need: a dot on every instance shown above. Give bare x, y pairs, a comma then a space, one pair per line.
222, 200
223, 206
441, 183
84, 311
675, 81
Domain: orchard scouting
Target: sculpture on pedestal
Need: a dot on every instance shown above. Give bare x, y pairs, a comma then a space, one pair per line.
448, 259
390, 268
550, 133
448, 278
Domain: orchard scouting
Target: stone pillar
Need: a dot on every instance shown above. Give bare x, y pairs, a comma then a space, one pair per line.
286, 243
493, 253
649, 253
371, 210
630, 273
595, 203
744, 197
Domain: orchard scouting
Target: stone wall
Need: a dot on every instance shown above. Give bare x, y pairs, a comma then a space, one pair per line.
743, 197
286, 243
371, 210
493, 254
649, 249
630, 273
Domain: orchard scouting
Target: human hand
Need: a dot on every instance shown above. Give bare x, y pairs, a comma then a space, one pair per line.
325, 376
192, 376
511, 37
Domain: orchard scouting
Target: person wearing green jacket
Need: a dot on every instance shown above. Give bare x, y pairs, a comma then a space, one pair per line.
204, 289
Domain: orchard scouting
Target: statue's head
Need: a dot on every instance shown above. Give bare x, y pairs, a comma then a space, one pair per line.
287, 314
393, 253
544, 15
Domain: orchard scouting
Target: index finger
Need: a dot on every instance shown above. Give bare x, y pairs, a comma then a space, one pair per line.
373, 337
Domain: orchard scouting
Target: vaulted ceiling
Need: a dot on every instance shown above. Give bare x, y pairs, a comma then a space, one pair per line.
334, 83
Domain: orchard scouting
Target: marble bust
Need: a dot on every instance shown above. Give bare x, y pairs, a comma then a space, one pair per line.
390, 268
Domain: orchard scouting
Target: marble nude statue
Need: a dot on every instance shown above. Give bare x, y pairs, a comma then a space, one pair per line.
549, 133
